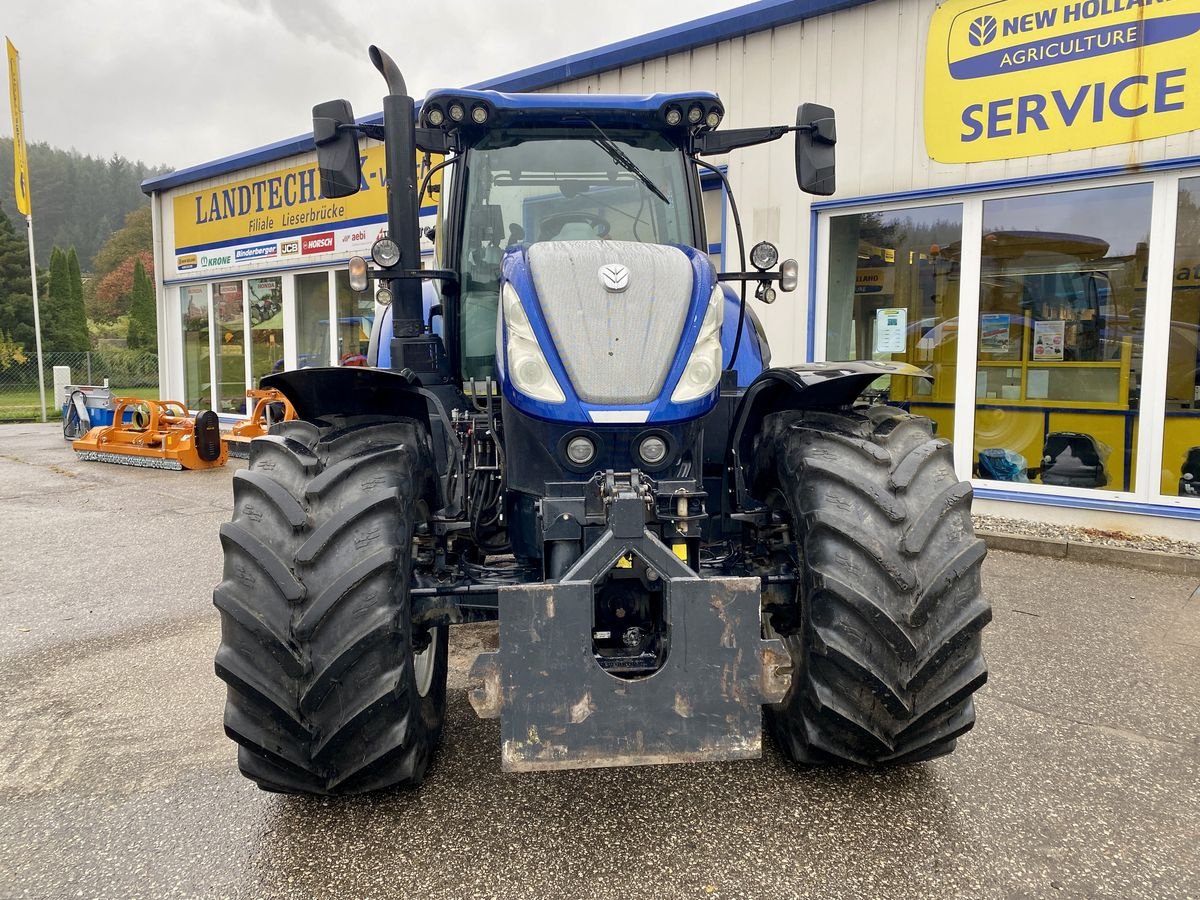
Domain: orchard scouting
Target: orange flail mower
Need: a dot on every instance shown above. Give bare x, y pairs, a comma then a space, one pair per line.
160, 434
270, 407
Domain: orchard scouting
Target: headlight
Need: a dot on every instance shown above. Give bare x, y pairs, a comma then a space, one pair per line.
703, 369
580, 450
385, 252
652, 450
763, 256
527, 366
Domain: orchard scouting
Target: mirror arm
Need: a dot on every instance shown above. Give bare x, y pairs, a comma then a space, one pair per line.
724, 141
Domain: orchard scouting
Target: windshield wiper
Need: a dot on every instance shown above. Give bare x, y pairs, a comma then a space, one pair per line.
605, 143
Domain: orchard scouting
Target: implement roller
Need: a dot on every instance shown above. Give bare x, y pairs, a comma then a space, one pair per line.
270, 406
160, 435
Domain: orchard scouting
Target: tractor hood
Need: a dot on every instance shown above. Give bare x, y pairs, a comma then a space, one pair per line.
616, 321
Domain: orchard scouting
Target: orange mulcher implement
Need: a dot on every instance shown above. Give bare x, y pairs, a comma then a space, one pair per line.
160, 435
260, 421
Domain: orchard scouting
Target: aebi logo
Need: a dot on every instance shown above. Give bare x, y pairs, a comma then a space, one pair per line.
317, 243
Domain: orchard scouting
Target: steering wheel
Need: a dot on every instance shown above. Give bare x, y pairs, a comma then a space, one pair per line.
552, 225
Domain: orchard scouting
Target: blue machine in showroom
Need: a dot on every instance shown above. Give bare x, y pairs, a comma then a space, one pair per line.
571, 426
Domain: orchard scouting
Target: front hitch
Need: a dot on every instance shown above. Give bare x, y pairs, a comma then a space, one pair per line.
559, 709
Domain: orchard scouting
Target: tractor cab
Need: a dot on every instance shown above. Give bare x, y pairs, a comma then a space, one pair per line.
535, 169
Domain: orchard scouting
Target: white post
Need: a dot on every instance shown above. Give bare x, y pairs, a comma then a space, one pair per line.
62, 380
37, 320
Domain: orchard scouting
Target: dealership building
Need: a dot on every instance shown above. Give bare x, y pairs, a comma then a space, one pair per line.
1017, 213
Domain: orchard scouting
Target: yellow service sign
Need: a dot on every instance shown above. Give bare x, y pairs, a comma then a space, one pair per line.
280, 204
1027, 77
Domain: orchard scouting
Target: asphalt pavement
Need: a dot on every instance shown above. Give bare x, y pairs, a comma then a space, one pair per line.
1081, 780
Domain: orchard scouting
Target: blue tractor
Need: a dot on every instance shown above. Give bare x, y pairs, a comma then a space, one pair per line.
570, 425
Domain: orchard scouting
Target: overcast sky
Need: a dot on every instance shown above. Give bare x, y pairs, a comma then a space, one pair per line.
179, 82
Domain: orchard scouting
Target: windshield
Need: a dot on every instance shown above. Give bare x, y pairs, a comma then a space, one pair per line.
565, 184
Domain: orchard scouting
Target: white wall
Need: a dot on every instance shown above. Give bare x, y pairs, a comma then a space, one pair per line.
867, 62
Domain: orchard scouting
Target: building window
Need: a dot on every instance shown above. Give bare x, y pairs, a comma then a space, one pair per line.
893, 295
193, 308
1180, 471
1061, 312
356, 315
229, 314
312, 319
265, 298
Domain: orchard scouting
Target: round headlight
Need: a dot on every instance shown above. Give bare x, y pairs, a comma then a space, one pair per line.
383, 296
580, 451
435, 117
763, 256
386, 252
713, 119
530, 372
457, 112
674, 115
652, 450
695, 114
479, 114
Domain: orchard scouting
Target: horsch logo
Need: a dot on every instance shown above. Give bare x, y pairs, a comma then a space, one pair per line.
317, 243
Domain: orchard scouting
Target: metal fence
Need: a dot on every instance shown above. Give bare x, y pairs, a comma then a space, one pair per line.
128, 372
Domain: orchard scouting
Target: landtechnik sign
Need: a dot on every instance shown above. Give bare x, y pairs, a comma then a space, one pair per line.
280, 216
1021, 78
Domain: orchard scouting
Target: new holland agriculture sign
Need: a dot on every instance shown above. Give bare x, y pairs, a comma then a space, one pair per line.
1022, 78
279, 218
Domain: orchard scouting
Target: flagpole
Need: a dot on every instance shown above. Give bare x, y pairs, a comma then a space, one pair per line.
24, 206
37, 319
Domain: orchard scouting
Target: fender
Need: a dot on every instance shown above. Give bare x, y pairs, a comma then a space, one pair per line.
322, 396
823, 385
339, 392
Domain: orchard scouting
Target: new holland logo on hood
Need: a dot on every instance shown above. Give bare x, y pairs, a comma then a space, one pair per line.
1024, 78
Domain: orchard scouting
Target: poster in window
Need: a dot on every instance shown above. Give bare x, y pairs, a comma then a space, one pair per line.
891, 330
1048, 339
994, 336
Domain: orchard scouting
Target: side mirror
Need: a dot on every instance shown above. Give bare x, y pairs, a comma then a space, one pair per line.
337, 148
816, 136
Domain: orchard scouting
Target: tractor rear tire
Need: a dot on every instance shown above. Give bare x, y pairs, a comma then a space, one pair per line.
884, 628
330, 689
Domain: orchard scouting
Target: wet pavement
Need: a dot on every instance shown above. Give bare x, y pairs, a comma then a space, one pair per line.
1082, 778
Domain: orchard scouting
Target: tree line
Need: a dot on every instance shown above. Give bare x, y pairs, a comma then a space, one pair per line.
117, 299
78, 201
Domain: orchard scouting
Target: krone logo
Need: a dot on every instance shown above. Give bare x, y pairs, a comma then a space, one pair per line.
983, 31
614, 277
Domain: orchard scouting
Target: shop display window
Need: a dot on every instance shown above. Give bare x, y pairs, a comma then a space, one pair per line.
265, 300
312, 319
355, 317
229, 318
1180, 469
197, 377
894, 295
1062, 299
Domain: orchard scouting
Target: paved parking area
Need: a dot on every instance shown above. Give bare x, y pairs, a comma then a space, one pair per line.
1082, 778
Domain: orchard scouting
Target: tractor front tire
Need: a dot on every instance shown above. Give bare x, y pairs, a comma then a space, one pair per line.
330, 688
884, 627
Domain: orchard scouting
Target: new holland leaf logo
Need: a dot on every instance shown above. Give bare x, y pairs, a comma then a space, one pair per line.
983, 31
614, 277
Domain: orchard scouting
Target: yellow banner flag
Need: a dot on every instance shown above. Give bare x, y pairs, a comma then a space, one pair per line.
20, 161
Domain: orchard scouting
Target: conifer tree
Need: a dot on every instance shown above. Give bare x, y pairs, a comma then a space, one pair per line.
143, 316
78, 313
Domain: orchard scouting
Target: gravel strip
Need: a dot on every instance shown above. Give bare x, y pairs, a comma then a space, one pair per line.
1085, 535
